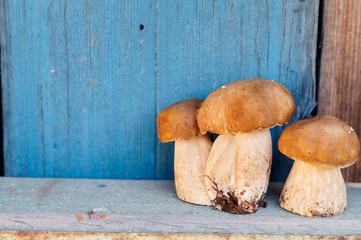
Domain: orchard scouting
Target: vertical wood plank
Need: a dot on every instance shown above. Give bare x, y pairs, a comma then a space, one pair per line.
20, 76
80, 90
205, 44
2, 40
340, 74
4, 75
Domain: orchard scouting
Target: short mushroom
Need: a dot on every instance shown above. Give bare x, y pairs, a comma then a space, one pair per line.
320, 146
178, 123
238, 167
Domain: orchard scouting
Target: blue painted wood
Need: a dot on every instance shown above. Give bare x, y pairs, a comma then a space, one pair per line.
83, 81
205, 44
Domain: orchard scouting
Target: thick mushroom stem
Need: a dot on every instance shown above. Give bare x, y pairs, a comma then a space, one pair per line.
314, 191
237, 171
190, 157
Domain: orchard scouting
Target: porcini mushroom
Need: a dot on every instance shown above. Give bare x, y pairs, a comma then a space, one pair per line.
238, 167
178, 123
320, 146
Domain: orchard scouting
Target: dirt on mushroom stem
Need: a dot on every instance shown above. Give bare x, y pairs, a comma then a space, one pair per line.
228, 202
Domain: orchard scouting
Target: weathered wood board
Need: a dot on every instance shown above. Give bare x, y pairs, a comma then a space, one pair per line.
83, 81
144, 206
41, 235
340, 75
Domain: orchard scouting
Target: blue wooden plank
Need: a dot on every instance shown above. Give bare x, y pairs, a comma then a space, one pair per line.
83, 82
82, 93
21, 75
205, 44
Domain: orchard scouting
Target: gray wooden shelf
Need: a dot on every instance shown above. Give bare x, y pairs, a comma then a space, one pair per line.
118, 208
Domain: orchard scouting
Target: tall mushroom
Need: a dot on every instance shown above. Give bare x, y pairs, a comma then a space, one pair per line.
320, 146
178, 123
238, 167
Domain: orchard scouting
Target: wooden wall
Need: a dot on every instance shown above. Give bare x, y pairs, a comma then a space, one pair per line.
83, 81
340, 73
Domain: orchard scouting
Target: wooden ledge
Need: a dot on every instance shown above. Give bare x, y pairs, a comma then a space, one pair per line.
92, 209
41, 235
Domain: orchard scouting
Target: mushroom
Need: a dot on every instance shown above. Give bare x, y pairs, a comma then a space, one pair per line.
238, 167
178, 123
320, 146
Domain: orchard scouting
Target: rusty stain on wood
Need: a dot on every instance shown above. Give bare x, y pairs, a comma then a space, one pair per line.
100, 216
79, 217
94, 216
340, 73
45, 190
27, 235
97, 214
90, 214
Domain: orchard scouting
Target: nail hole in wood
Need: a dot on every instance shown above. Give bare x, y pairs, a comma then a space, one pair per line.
141, 27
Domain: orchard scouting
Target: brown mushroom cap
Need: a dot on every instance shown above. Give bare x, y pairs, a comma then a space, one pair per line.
178, 121
322, 140
246, 105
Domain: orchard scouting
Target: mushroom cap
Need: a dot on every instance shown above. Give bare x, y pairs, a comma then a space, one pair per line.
178, 121
246, 105
323, 140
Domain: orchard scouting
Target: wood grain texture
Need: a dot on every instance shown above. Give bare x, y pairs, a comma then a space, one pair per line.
340, 75
83, 83
41, 235
80, 100
144, 206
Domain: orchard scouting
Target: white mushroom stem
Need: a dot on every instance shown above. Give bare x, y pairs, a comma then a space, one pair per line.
190, 157
314, 191
237, 171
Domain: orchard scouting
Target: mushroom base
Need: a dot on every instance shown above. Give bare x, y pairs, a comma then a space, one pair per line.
190, 157
314, 191
237, 171
230, 203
